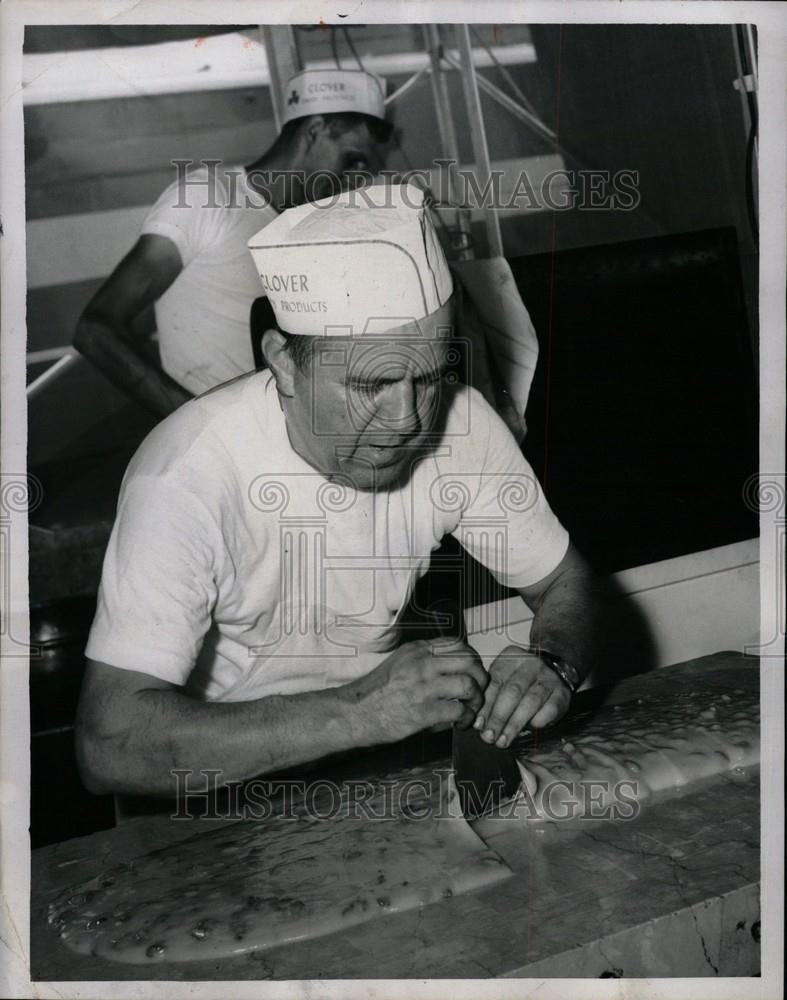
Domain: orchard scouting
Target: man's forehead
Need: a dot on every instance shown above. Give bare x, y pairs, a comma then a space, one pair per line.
382, 355
356, 135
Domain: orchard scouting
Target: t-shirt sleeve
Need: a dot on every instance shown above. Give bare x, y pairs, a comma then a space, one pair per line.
158, 584
507, 523
190, 213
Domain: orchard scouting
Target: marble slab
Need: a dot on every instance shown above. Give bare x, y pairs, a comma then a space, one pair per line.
673, 892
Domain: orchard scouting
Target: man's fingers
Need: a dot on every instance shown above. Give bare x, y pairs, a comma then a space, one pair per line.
508, 698
553, 709
444, 645
533, 701
490, 697
465, 720
503, 667
462, 688
459, 658
509, 682
449, 711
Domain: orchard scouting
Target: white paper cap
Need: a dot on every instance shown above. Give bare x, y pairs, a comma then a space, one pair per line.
364, 261
333, 91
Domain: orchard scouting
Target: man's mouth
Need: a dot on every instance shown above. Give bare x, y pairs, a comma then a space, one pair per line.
389, 454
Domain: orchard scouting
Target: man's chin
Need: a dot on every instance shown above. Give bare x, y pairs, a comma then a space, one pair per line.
370, 478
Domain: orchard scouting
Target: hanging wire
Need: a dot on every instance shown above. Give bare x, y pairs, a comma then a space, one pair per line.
504, 73
751, 139
334, 48
449, 231
352, 47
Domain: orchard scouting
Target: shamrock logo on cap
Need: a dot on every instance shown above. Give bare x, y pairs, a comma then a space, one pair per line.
293, 99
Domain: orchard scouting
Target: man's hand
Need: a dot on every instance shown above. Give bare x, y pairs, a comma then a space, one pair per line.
426, 684
522, 689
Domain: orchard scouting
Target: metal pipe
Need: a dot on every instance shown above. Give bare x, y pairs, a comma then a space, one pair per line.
274, 82
752, 52
47, 354
507, 102
478, 135
281, 52
415, 79
738, 83
752, 47
448, 140
52, 373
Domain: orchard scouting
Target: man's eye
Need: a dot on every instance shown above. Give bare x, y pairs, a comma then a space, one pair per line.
367, 388
358, 164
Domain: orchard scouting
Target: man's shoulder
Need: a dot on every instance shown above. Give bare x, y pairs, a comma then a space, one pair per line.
468, 414
205, 434
212, 184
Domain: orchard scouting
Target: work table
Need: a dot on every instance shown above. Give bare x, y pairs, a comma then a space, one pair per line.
673, 892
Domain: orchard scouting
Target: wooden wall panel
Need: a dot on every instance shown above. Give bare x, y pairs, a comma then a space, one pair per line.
52, 312
68, 248
81, 414
69, 195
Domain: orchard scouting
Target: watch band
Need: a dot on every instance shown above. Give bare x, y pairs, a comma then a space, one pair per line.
565, 671
568, 674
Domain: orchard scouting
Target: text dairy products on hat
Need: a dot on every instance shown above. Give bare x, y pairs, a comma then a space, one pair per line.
364, 261
333, 91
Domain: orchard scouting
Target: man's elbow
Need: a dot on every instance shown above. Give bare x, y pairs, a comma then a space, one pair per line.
100, 752
93, 761
86, 336
97, 331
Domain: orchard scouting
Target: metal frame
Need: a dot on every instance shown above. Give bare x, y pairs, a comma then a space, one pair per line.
448, 140
747, 84
284, 60
472, 82
478, 134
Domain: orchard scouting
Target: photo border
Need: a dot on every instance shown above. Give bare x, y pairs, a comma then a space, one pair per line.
771, 21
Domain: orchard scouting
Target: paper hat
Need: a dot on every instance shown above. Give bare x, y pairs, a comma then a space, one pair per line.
333, 91
365, 261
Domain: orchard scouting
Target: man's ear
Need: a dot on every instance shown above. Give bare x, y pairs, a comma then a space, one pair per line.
315, 126
279, 361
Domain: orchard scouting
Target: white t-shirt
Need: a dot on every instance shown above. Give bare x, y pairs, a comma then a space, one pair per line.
203, 317
236, 570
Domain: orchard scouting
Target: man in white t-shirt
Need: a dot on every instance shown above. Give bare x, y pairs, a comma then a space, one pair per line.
191, 260
269, 535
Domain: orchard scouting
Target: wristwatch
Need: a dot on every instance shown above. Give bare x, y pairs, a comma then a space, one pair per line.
568, 674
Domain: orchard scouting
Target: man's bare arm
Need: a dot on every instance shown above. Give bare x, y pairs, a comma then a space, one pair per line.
522, 689
133, 730
567, 606
105, 333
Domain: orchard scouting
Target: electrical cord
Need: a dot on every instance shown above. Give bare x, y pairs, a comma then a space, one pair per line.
751, 139
352, 47
334, 48
452, 233
504, 73
750, 167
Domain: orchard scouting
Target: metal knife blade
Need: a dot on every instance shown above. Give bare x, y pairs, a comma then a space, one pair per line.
484, 775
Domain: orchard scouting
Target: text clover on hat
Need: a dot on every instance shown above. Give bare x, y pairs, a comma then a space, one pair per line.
364, 262
333, 91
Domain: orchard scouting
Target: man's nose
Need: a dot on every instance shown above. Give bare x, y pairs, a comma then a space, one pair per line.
398, 409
